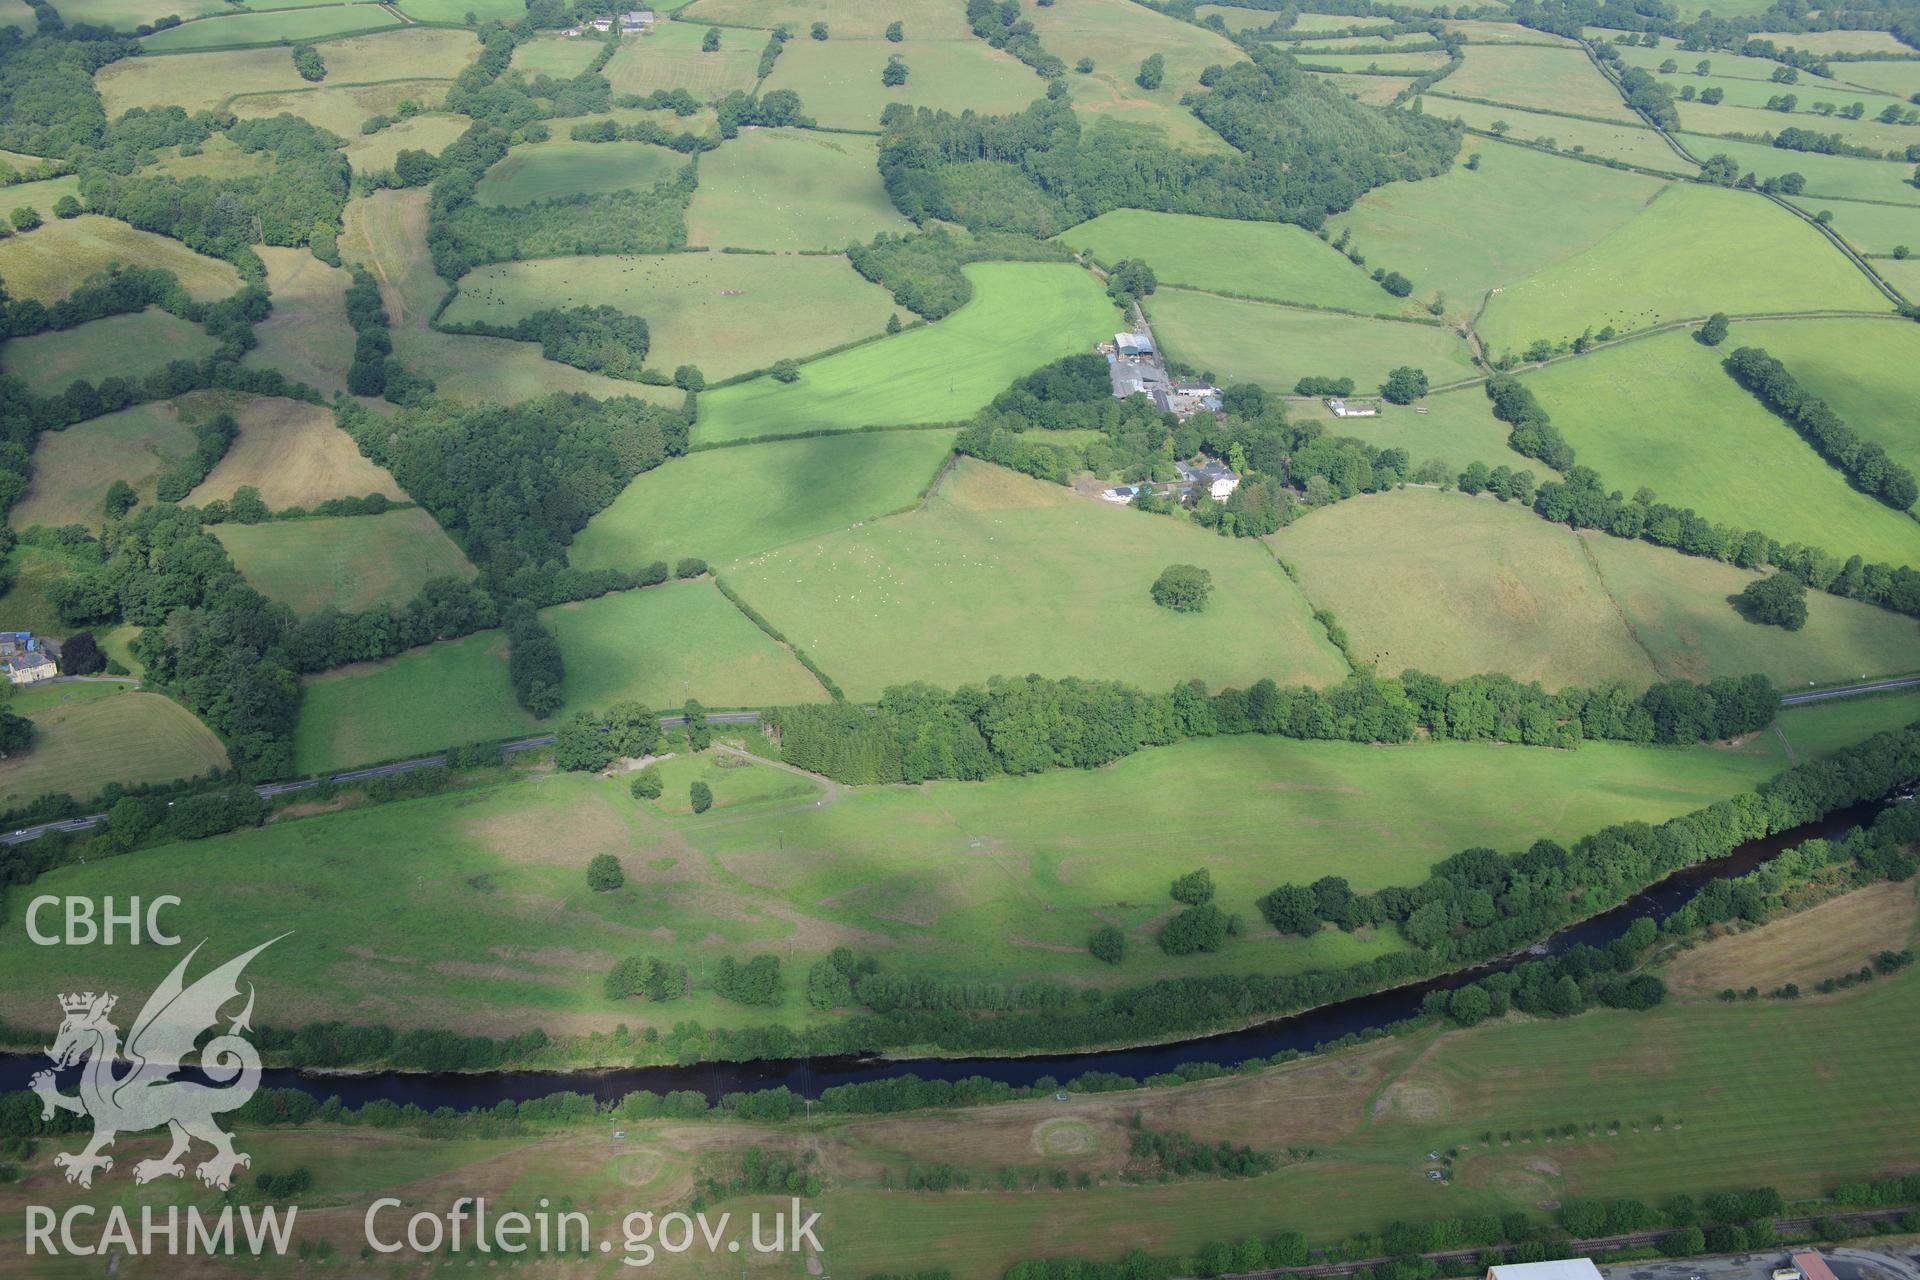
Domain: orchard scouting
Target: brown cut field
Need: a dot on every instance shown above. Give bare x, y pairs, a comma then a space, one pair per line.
295, 456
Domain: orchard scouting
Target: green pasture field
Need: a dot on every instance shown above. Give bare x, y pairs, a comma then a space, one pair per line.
663, 645
1868, 370
72, 469
1616, 141
996, 880
1661, 412
1457, 427
550, 170
1680, 610
344, 108
279, 26
1271, 260
562, 57
117, 644
1816, 728
45, 264
125, 15
999, 574
428, 132
132, 345
1307, 21
1868, 132
1378, 90
1896, 78
1869, 228
1118, 35
128, 737
207, 80
1502, 590
776, 493
729, 313
923, 19
1720, 63
1687, 255
1238, 19
1544, 79
306, 336
1471, 230
1489, 32
790, 189
838, 80
348, 562
25, 606
456, 11
1276, 346
1902, 275
1407, 63
670, 58
1843, 177
737, 784
1738, 91
387, 233
443, 695
1022, 315
1838, 42
42, 195
295, 456
218, 158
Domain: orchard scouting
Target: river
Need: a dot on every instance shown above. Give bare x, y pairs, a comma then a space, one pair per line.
808, 1076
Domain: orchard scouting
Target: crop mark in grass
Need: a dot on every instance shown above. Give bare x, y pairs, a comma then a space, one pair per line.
1633, 632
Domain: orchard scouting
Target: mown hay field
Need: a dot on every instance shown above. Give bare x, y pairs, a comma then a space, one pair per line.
775, 493
670, 57
1277, 346
306, 336
1457, 586
346, 562
791, 189
666, 644
295, 456
1270, 260
728, 313
1617, 140
1690, 253
130, 737
1662, 413
1022, 315
999, 574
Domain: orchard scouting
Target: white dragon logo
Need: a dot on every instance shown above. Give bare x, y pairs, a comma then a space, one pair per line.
147, 1096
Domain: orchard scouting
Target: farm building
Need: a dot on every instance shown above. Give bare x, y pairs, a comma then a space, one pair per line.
1353, 409
28, 662
1122, 494
1143, 377
1132, 344
1564, 1269
640, 20
1189, 398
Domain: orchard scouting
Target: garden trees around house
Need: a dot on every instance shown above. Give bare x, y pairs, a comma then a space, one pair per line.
700, 796
1129, 281
1778, 600
1714, 331
81, 655
1108, 944
1184, 588
604, 874
1404, 385
646, 784
1152, 71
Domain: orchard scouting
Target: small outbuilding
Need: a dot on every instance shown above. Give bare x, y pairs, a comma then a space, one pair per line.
1353, 409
